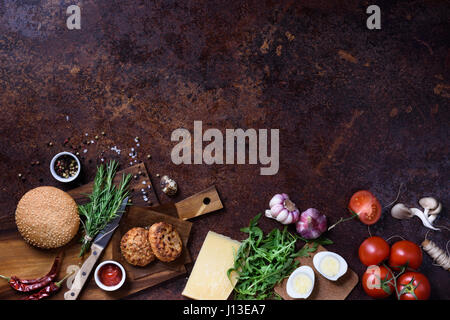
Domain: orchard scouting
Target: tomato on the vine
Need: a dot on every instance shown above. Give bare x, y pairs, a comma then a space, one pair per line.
378, 282
413, 286
364, 204
373, 251
405, 253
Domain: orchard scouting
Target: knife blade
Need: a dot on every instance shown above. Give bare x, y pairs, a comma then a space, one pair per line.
97, 247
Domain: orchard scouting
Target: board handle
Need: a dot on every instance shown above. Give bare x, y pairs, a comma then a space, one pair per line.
83, 273
200, 203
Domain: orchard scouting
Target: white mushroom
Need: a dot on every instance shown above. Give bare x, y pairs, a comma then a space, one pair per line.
423, 217
432, 217
435, 211
400, 211
428, 203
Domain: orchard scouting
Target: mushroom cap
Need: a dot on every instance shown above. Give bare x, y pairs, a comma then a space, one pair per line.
436, 211
429, 203
400, 211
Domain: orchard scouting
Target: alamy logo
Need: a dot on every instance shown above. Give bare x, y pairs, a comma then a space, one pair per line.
213, 153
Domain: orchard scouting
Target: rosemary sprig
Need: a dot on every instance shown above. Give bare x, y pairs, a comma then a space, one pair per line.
105, 201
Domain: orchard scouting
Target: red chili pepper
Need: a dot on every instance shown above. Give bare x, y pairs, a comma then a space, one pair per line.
47, 291
28, 285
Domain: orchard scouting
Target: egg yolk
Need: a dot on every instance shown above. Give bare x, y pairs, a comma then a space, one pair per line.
302, 283
329, 266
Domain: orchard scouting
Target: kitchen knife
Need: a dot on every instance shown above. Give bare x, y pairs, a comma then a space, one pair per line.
97, 247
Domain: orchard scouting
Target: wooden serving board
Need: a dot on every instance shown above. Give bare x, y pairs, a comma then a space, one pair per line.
324, 289
20, 259
201, 203
144, 217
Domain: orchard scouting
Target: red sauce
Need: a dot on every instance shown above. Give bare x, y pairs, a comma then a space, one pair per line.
110, 274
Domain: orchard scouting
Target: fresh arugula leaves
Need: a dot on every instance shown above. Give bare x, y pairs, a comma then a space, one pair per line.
263, 261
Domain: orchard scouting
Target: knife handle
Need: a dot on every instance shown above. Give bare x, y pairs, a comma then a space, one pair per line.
83, 273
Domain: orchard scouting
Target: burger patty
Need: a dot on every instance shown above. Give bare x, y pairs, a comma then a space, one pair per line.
165, 241
135, 247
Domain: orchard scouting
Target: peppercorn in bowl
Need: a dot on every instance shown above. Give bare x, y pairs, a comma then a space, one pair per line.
65, 167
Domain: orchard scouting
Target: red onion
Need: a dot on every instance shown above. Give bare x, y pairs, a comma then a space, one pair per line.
311, 224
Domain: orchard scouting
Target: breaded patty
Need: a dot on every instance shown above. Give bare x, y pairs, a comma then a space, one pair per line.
135, 247
165, 241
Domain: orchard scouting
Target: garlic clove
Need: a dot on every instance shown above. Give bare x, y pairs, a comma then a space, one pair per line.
276, 209
429, 203
288, 220
435, 211
423, 217
276, 199
400, 211
268, 214
282, 215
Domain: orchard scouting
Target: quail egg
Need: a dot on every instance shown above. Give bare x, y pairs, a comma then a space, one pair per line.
329, 264
300, 283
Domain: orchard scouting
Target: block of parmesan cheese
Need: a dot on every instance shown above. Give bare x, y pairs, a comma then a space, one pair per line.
208, 279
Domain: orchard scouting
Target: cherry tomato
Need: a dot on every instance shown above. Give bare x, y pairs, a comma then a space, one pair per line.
413, 286
378, 282
366, 206
404, 253
373, 251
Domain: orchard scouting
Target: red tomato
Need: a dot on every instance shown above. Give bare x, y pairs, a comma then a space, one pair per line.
373, 251
366, 206
378, 282
405, 252
413, 286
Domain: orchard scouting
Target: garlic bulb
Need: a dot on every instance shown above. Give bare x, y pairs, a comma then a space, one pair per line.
169, 186
282, 209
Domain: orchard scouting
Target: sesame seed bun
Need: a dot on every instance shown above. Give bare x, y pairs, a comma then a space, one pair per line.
47, 217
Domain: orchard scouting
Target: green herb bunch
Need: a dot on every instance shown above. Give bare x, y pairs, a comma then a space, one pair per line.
105, 201
263, 261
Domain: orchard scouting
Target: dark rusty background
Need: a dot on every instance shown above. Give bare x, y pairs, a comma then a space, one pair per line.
355, 108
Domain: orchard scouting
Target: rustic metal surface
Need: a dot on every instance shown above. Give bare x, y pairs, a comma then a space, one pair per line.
355, 108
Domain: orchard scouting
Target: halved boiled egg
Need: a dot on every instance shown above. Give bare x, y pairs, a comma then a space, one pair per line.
329, 264
300, 283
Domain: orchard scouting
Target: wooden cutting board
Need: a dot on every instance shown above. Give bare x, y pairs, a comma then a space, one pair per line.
324, 289
20, 259
144, 217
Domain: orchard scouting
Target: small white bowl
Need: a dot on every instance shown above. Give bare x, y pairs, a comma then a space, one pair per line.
99, 282
308, 271
342, 264
59, 178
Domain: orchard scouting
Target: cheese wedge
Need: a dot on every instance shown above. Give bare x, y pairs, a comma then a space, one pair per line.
208, 279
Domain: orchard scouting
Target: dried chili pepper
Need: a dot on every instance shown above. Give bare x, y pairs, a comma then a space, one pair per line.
28, 285
48, 290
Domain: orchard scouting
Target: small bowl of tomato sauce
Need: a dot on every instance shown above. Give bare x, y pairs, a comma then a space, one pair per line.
109, 275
